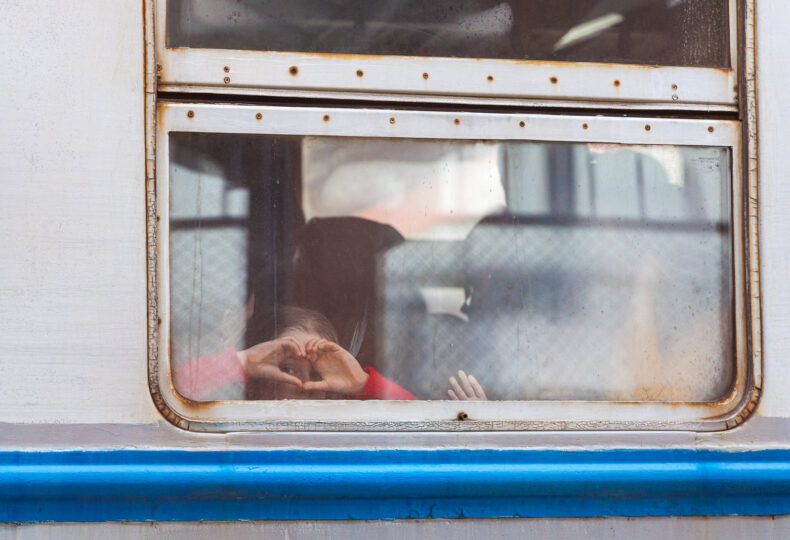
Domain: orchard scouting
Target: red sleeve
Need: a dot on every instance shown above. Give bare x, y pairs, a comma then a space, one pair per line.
209, 378
378, 387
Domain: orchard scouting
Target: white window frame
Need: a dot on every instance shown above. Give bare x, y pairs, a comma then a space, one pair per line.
352, 415
454, 80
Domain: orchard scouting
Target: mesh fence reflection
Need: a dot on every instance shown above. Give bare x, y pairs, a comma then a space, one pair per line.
208, 289
561, 312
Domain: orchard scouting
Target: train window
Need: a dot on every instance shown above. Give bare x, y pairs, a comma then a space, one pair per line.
483, 48
322, 264
655, 32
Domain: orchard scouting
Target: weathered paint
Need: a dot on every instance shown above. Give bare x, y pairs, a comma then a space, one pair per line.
73, 345
728, 412
663, 86
72, 157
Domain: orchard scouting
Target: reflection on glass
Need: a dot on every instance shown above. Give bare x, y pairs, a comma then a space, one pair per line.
337, 267
661, 32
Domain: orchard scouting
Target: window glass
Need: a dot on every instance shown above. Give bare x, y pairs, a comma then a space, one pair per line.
548, 271
661, 32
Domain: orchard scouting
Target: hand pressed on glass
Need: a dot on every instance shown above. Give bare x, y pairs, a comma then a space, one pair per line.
339, 371
266, 360
468, 389
286, 367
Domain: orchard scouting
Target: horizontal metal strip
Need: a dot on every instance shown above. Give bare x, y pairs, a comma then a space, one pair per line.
365, 484
463, 77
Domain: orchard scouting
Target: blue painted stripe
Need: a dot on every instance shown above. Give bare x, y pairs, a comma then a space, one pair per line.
359, 484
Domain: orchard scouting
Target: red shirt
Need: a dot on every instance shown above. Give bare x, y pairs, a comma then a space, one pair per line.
222, 377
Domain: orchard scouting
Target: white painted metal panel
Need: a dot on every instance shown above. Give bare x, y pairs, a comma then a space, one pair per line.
194, 69
773, 85
439, 415
72, 212
72, 287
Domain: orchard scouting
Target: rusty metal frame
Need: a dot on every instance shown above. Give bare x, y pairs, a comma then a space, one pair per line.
449, 80
442, 415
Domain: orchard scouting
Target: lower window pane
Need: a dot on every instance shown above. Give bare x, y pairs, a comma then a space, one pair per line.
547, 271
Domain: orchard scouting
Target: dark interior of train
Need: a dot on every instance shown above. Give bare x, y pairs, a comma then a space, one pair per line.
650, 32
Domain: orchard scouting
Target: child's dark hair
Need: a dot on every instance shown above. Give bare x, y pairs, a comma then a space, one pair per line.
307, 320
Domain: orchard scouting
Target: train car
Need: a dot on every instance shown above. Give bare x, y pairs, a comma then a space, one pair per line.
337, 268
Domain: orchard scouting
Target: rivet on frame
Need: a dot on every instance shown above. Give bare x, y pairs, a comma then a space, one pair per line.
258, 116
190, 114
326, 118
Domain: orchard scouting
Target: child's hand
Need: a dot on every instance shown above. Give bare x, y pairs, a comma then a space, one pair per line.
469, 389
339, 370
264, 359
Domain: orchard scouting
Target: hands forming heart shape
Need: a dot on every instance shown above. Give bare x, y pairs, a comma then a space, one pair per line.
337, 370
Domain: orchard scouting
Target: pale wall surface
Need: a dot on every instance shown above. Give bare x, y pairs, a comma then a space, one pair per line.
773, 83
72, 255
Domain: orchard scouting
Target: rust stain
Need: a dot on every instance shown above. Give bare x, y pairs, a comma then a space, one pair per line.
293, 70
360, 73
425, 76
326, 118
516, 61
553, 80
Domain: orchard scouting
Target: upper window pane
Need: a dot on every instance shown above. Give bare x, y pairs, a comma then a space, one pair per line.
554, 271
653, 32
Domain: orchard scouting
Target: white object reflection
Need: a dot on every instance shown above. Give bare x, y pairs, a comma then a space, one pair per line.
436, 191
